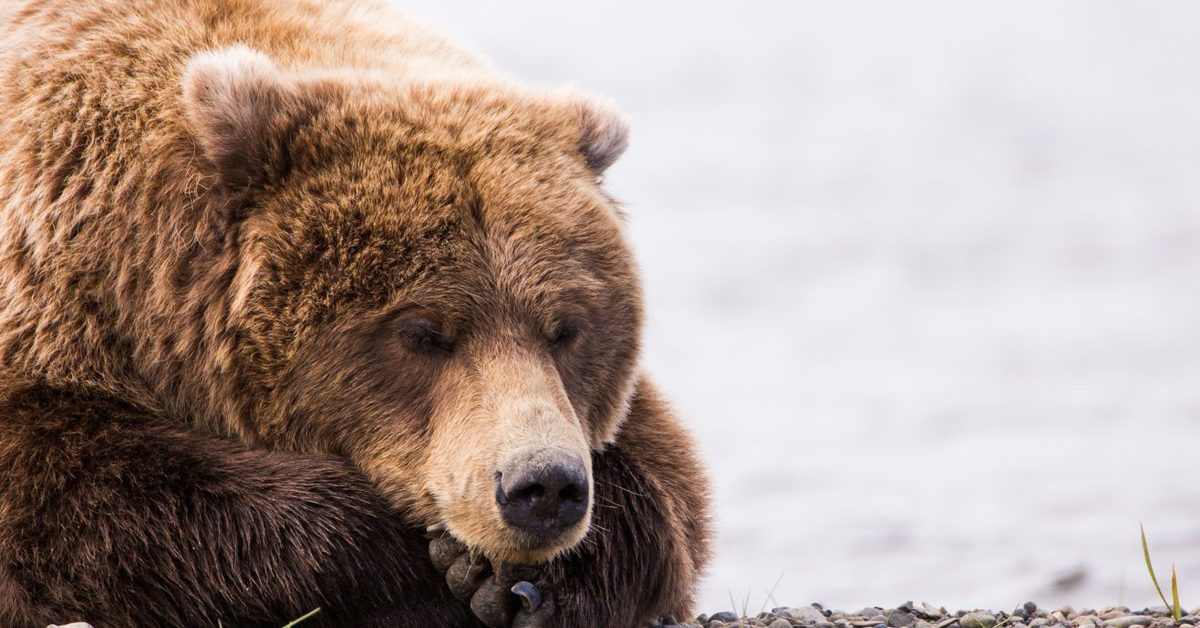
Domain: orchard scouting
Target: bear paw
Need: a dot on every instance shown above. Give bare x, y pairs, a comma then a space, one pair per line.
501, 596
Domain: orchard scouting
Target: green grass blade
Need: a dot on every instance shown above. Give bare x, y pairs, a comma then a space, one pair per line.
303, 617
1150, 567
1177, 609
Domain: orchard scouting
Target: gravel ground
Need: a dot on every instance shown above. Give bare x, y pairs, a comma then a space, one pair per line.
909, 615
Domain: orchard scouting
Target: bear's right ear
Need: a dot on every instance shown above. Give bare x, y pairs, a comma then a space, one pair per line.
242, 110
603, 133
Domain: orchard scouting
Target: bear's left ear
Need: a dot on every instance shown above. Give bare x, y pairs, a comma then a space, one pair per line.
242, 111
603, 133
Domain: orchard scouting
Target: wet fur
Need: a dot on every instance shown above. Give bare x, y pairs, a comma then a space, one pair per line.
201, 416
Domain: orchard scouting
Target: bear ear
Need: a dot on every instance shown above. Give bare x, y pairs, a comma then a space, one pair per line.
603, 133
241, 109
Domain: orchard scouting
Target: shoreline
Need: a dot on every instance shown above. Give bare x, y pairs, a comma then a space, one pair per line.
910, 615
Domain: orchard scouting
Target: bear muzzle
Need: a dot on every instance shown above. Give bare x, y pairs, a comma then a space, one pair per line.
543, 493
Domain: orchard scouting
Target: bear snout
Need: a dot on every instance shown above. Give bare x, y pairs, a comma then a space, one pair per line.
543, 493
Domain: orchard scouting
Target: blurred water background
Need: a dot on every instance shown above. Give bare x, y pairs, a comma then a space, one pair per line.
923, 277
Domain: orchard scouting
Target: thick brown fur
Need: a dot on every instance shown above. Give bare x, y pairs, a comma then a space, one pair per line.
283, 282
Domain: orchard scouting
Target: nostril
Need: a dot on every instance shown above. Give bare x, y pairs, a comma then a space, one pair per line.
531, 492
573, 493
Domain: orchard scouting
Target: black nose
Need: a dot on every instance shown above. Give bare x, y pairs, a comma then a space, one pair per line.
543, 493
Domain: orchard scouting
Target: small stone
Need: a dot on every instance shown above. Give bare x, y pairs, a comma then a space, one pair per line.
1038, 622
977, 620
879, 619
1030, 608
901, 618
946, 622
803, 614
716, 623
780, 623
724, 616
1128, 621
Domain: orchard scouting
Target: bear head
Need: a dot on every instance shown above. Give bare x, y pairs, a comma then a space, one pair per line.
430, 282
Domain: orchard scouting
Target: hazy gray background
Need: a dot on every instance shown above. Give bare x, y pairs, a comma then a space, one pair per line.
924, 278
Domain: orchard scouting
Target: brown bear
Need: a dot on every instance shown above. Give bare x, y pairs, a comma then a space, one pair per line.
289, 288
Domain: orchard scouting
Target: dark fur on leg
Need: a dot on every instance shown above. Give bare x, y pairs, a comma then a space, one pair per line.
111, 516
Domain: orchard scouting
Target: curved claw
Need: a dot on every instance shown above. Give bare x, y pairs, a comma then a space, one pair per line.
531, 598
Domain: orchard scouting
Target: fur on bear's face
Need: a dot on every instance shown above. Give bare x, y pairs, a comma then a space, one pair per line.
431, 281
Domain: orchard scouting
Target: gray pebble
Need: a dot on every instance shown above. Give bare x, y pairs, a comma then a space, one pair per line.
1127, 621
724, 616
901, 618
780, 623
803, 614
977, 620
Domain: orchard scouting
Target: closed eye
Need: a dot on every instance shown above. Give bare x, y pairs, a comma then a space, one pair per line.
423, 335
565, 332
